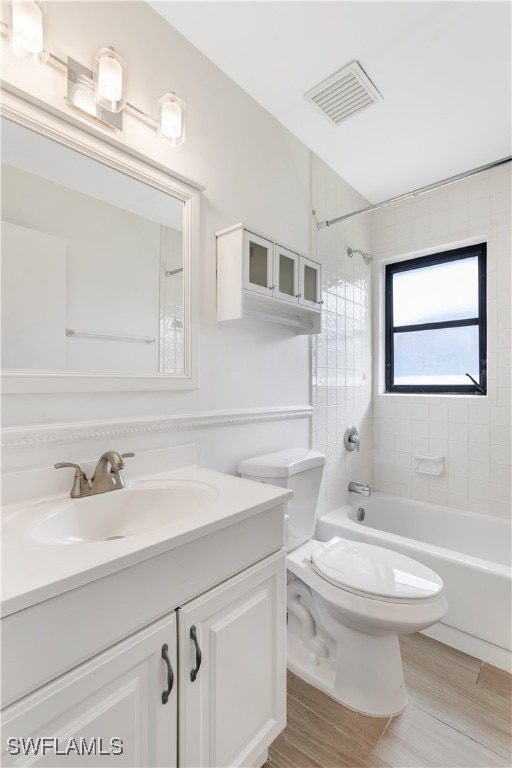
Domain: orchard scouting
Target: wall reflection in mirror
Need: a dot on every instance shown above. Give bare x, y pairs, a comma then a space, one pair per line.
92, 264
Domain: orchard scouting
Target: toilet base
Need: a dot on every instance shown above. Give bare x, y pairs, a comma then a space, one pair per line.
365, 674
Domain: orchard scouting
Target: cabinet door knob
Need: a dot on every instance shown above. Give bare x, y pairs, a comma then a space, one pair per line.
170, 674
320, 302
193, 637
298, 295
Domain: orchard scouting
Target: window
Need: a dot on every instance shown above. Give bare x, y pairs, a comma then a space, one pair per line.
436, 323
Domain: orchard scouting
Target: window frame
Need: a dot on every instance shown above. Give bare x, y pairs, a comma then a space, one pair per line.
442, 257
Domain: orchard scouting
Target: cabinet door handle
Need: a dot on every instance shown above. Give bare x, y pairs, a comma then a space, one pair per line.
193, 637
170, 674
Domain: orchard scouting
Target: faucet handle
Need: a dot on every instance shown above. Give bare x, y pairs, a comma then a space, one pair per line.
79, 471
81, 485
128, 455
351, 439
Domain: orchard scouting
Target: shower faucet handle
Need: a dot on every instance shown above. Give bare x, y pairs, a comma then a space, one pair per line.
351, 439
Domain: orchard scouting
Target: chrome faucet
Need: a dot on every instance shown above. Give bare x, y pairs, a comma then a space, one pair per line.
364, 490
107, 475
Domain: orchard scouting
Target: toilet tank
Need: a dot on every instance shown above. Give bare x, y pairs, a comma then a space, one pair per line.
300, 470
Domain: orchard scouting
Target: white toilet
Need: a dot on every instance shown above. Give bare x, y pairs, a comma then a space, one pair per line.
347, 601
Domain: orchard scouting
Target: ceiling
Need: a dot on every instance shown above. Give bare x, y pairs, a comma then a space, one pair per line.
443, 69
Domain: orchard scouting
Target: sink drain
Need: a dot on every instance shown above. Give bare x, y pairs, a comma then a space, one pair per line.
112, 538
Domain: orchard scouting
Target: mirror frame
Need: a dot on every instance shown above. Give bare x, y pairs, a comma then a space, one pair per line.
112, 153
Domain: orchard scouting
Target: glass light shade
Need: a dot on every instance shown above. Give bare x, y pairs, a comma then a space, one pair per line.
110, 80
171, 118
28, 29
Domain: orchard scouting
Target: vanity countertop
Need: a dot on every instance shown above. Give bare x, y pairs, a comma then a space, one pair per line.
34, 570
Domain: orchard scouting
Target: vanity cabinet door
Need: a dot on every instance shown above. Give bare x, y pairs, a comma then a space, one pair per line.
233, 669
110, 706
259, 259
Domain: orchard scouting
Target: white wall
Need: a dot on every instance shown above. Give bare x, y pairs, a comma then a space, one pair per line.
473, 433
253, 169
342, 362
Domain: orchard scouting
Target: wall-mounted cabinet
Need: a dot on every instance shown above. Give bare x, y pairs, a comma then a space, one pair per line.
261, 278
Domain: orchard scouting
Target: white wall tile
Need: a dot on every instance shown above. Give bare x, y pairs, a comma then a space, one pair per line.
439, 413
342, 354
458, 414
474, 434
479, 470
458, 431
478, 451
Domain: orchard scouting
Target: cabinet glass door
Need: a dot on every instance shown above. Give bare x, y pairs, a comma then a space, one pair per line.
286, 274
258, 263
310, 283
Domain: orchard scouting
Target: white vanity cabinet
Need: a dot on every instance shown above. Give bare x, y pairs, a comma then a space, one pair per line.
89, 663
232, 669
112, 704
259, 277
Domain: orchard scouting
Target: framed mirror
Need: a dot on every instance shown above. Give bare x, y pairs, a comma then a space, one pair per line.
99, 254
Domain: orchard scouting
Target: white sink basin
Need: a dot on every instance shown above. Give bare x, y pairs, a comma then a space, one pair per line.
121, 513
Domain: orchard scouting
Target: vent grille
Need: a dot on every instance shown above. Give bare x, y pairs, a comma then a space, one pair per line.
344, 94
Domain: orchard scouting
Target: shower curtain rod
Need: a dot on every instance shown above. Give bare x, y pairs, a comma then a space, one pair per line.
415, 193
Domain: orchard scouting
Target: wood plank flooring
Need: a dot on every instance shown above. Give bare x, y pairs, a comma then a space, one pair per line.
459, 716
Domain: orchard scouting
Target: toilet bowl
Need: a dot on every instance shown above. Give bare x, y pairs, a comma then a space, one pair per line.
347, 601
379, 596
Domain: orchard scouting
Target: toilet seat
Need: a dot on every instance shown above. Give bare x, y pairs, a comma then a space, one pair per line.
374, 572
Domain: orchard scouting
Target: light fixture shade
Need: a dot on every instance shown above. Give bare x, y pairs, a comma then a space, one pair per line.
28, 29
171, 118
110, 80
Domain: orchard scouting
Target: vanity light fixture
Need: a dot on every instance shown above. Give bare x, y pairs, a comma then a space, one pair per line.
99, 96
171, 114
27, 30
110, 80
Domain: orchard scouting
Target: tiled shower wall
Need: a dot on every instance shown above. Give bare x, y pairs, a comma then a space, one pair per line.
342, 353
472, 433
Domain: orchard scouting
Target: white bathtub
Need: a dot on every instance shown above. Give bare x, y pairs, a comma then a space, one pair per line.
471, 553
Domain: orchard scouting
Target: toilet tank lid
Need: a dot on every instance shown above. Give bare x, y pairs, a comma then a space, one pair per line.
282, 463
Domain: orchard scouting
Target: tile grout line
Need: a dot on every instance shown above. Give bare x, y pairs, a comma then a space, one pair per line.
461, 733
386, 728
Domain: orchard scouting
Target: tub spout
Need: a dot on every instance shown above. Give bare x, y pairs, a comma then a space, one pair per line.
364, 490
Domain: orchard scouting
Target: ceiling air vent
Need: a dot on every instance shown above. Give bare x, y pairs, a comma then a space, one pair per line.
345, 93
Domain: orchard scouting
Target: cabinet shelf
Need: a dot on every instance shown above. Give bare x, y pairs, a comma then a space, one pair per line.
258, 277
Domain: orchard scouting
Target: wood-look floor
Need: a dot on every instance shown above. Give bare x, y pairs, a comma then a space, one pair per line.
459, 715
